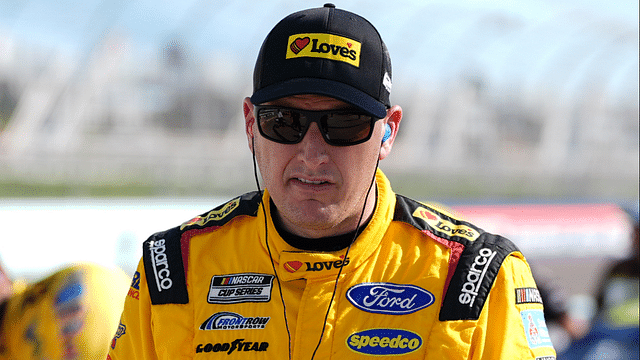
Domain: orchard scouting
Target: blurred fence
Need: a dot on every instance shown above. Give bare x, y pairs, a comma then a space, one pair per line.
549, 107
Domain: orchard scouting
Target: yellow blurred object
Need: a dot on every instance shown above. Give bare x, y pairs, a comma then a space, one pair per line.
71, 314
626, 314
18, 286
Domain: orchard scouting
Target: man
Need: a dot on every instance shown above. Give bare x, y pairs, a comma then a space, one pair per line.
327, 262
615, 330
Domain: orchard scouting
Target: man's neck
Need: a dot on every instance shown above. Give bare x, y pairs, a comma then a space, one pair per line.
325, 244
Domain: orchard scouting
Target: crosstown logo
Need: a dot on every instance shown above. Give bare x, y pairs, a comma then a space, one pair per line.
232, 321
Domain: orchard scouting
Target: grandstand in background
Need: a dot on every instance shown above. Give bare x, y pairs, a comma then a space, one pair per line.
498, 103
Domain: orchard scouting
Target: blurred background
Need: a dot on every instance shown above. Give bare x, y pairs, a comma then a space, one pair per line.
122, 118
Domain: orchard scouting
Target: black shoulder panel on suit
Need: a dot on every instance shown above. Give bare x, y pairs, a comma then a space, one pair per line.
162, 253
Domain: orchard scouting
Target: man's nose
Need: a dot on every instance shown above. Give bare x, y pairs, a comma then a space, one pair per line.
313, 148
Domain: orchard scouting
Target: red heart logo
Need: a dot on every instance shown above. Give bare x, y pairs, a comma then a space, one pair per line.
292, 266
428, 215
349, 45
298, 44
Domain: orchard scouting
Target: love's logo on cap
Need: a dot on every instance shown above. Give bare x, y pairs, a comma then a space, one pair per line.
324, 46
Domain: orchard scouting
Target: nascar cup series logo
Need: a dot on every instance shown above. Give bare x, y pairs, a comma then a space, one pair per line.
239, 288
324, 46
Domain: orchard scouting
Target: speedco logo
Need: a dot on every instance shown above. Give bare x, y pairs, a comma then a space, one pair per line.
325, 46
213, 214
160, 265
445, 226
386, 298
475, 276
384, 342
232, 321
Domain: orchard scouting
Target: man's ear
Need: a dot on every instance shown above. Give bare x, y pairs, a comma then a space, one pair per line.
394, 116
249, 121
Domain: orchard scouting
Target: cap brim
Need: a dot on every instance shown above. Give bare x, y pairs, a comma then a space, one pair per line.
324, 87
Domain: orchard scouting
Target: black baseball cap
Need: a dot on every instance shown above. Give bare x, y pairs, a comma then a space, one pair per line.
325, 51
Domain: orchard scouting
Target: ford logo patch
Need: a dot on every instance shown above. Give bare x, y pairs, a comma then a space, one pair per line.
387, 298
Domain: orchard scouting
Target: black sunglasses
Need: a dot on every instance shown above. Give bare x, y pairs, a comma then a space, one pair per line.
338, 127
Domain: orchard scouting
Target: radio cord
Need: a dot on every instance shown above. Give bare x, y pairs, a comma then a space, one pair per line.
335, 285
266, 240
355, 236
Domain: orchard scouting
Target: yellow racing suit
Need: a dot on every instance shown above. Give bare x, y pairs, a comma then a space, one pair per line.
416, 284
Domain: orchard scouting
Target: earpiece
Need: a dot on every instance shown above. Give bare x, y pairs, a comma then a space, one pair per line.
387, 133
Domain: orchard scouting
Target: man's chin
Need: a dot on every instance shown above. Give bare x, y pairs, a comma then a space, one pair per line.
317, 220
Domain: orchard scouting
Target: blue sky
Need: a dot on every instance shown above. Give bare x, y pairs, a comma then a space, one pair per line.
525, 40
209, 24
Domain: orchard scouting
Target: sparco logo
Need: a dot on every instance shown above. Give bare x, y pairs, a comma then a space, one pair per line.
237, 344
160, 265
474, 278
232, 321
387, 298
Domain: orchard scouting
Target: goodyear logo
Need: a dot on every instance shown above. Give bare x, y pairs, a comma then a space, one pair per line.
384, 342
445, 226
213, 215
324, 46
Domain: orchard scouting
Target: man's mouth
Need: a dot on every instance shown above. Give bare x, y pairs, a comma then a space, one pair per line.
311, 182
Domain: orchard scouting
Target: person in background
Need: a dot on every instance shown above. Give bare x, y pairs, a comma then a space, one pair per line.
564, 327
70, 314
615, 330
620, 282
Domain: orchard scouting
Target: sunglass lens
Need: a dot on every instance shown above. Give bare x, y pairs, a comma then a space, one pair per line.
281, 125
347, 129
288, 126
